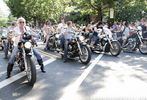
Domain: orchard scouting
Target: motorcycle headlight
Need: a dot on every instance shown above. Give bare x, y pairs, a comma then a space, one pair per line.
81, 38
13, 39
28, 45
57, 36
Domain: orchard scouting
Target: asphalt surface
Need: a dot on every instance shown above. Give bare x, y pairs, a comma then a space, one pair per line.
105, 77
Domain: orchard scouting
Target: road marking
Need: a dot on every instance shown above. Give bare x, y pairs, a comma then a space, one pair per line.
22, 74
49, 54
3, 72
72, 88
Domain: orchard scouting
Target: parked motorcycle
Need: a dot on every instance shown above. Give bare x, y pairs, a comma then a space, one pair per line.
76, 48
136, 41
53, 42
24, 59
104, 44
3, 38
8, 43
1, 43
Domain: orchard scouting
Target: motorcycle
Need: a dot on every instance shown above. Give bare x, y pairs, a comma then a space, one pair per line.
8, 43
3, 39
136, 41
76, 48
105, 44
24, 58
53, 42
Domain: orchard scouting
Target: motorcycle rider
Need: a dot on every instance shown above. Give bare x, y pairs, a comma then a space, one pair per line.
19, 31
67, 37
101, 30
144, 27
126, 33
47, 30
61, 30
96, 33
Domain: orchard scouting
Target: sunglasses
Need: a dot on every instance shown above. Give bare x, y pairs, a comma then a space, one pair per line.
21, 22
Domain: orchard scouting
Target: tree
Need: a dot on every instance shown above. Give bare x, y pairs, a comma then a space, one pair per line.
95, 6
37, 10
130, 10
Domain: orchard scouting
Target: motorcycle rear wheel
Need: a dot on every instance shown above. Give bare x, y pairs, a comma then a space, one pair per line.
143, 47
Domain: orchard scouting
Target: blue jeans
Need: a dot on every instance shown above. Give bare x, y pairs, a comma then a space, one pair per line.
62, 40
144, 35
16, 50
6, 47
66, 43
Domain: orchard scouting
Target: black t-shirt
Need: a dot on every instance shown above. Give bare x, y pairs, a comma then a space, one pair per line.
144, 28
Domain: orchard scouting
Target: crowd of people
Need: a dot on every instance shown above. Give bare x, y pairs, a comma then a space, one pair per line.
118, 29
64, 29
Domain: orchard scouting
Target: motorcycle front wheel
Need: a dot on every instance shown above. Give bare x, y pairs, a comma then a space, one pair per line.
143, 47
115, 49
86, 54
31, 71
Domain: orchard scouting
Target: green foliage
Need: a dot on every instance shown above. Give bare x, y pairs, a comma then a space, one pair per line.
78, 18
11, 18
37, 10
130, 10
79, 11
3, 22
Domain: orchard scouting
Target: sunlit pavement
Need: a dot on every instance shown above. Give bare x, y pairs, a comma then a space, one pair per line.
106, 77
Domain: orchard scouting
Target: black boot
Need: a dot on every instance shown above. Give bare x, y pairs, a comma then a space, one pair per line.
40, 62
9, 69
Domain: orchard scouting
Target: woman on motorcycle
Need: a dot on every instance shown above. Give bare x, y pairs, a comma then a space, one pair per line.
47, 30
19, 31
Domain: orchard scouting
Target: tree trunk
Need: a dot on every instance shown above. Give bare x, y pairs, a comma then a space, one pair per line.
100, 14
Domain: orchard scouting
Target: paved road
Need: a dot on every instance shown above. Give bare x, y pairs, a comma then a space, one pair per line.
106, 77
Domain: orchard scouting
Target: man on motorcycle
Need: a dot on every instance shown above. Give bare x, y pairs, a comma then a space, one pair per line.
68, 36
19, 31
61, 30
144, 27
96, 33
126, 33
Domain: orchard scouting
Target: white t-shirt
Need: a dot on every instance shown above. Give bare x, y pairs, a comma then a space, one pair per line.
18, 34
61, 28
69, 33
108, 32
126, 32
